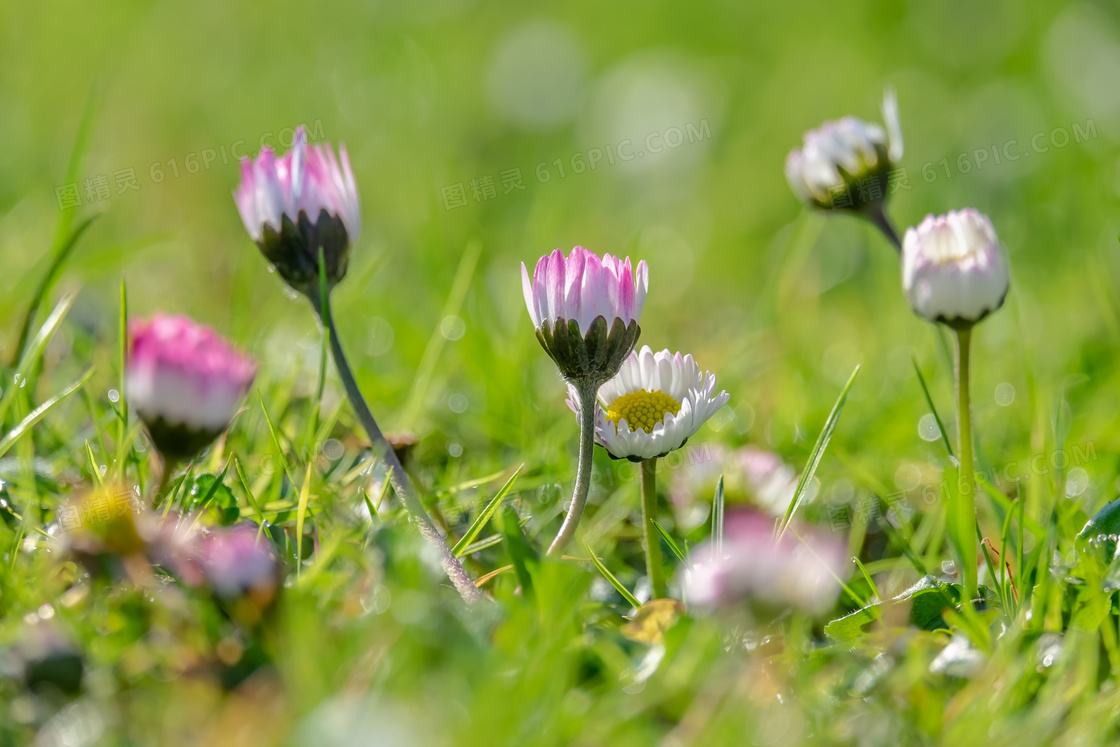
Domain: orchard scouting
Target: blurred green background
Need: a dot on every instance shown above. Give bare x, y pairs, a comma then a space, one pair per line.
427, 95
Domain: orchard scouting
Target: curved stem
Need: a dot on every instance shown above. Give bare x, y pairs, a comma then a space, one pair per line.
967, 481
878, 216
586, 392
654, 567
398, 478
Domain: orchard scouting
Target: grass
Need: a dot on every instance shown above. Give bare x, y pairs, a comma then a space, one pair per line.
366, 638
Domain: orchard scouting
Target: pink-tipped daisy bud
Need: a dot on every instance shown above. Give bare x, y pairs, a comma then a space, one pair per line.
296, 204
953, 268
803, 571
586, 309
185, 382
845, 164
654, 405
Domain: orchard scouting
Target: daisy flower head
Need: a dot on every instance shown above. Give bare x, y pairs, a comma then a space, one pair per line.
585, 309
953, 268
844, 164
654, 405
296, 204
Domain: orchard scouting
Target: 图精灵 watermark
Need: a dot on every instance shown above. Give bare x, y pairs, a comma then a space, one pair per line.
966, 162
98, 188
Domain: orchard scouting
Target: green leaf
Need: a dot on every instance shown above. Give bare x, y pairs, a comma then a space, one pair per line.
928, 598
1099, 539
817, 455
484, 517
215, 500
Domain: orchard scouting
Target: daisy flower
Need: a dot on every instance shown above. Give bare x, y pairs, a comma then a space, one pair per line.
654, 405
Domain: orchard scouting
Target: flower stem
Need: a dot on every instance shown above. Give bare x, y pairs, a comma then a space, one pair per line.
967, 481
586, 392
383, 451
878, 217
654, 567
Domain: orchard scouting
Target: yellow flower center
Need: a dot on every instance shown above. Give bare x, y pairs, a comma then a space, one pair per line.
642, 409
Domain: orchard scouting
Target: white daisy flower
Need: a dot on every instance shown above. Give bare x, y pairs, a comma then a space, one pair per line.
654, 405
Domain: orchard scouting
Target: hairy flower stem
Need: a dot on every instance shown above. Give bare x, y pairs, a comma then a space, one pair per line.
967, 476
654, 567
878, 217
398, 478
586, 392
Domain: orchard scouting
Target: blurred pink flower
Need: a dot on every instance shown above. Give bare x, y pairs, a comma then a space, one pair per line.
803, 573
770, 480
184, 381
237, 561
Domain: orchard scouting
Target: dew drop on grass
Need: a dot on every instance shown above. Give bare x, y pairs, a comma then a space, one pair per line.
455, 449
927, 427
380, 336
458, 402
452, 327
1076, 482
1005, 394
907, 476
377, 601
333, 449
114, 396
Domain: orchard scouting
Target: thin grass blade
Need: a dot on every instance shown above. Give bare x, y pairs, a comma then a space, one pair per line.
484, 517
40, 412
817, 455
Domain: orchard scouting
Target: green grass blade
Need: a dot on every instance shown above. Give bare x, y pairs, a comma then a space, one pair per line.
817, 455
93, 468
40, 412
275, 439
630, 599
249, 493
671, 542
123, 445
932, 409
482, 544
34, 352
484, 517
717, 519
867, 577
58, 262
301, 513
437, 341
